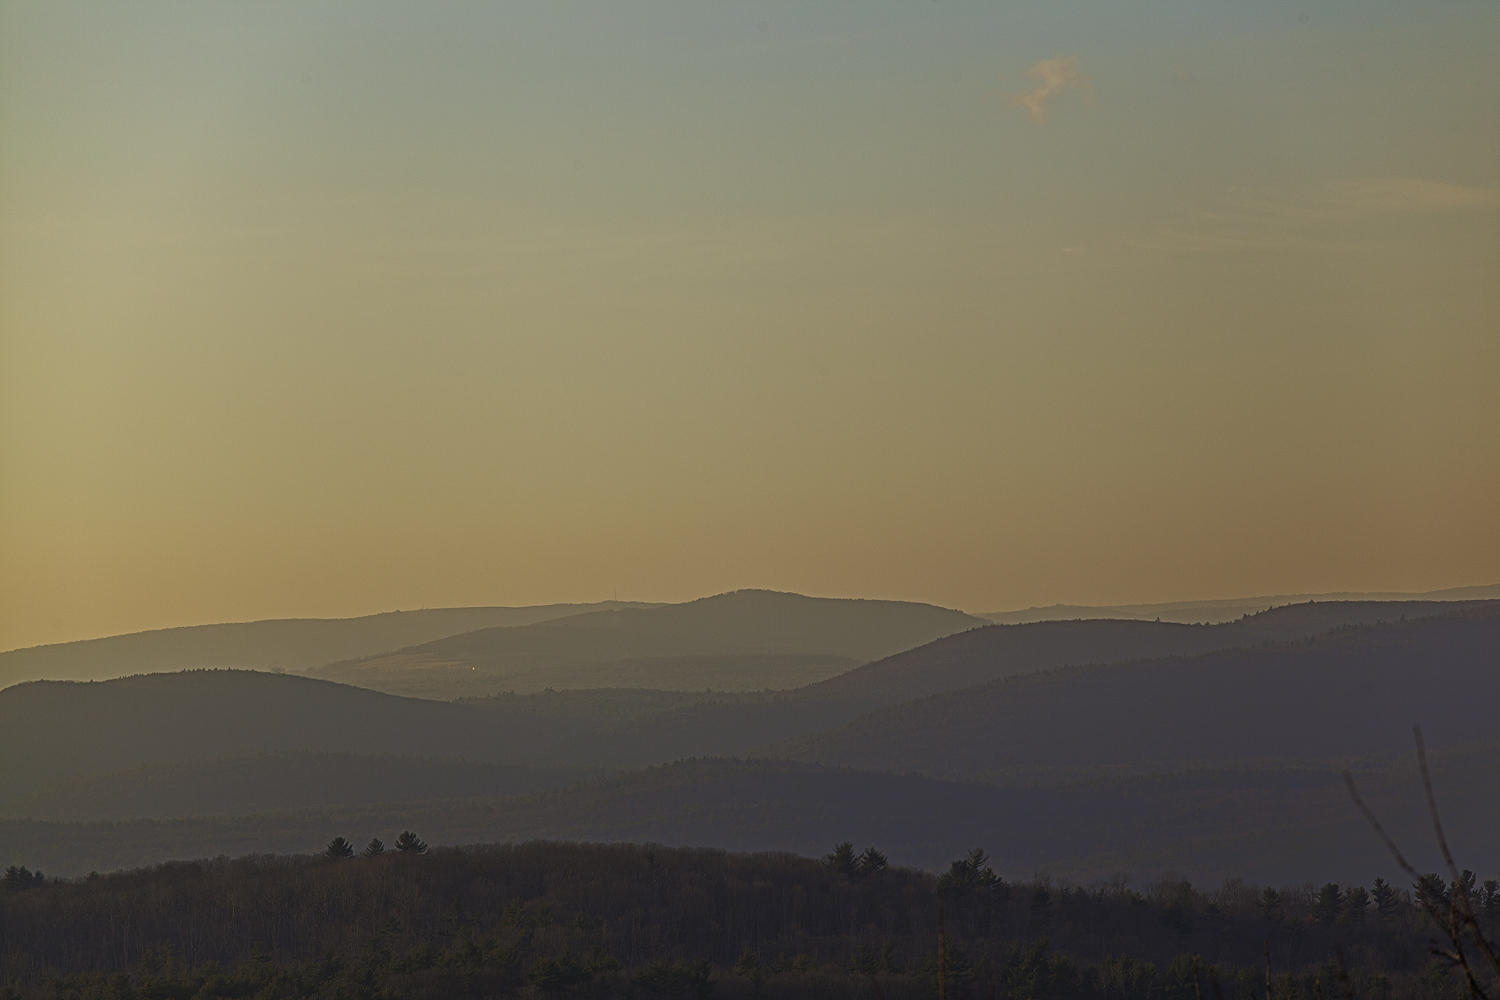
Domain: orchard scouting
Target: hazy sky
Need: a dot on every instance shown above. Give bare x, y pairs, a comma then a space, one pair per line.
325, 309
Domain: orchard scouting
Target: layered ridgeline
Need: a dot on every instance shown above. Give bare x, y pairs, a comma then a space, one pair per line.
1348, 693
1213, 612
58, 736
1000, 651
1217, 762
280, 644
1280, 825
742, 641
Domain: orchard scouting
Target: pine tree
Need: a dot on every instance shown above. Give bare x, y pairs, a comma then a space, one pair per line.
409, 843
871, 861
374, 848
1356, 902
1490, 898
1385, 899
338, 847
970, 872
1327, 903
843, 859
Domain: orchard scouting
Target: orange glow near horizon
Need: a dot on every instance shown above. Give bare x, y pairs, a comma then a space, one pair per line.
323, 313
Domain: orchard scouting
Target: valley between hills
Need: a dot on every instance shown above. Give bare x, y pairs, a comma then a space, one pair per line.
1085, 748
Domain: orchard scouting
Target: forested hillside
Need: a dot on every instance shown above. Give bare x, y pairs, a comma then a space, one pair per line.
644, 921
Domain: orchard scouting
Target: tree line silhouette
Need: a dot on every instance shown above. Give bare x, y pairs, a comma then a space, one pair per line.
406, 843
551, 919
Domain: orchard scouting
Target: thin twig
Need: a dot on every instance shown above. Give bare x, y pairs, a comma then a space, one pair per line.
1467, 909
1452, 926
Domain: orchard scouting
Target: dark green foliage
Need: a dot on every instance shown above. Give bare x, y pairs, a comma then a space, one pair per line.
970, 873
842, 859
872, 861
553, 920
1431, 891
338, 847
1384, 898
557, 974
1356, 904
1328, 903
410, 843
677, 979
1466, 886
17, 878
374, 848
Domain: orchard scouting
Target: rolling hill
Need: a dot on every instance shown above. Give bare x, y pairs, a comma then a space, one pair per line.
1351, 692
987, 654
1271, 825
292, 644
67, 748
276, 782
1214, 612
60, 732
746, 640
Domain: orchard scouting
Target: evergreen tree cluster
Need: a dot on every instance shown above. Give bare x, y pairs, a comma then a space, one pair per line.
406, 843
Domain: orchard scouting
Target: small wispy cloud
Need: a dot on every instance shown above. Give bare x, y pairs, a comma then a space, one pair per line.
1053, 76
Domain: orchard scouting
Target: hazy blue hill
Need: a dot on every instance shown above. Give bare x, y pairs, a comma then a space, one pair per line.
204, 742
982, 655
742, 641
748, 723
1273, 825
276, 782
61, 731
281, 644
1211, 612
195, 742
1351, 692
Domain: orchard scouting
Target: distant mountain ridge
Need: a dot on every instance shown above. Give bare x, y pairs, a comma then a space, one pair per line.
744, 640
291, 644
1350, 692
1224, 610
1221, 762
982, 655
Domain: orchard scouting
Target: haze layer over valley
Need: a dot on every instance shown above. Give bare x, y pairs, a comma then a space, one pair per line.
759, 720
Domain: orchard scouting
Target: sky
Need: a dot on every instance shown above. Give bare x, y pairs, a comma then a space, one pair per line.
322, 309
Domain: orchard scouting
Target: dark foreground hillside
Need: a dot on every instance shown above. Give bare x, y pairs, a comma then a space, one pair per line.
545, 919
